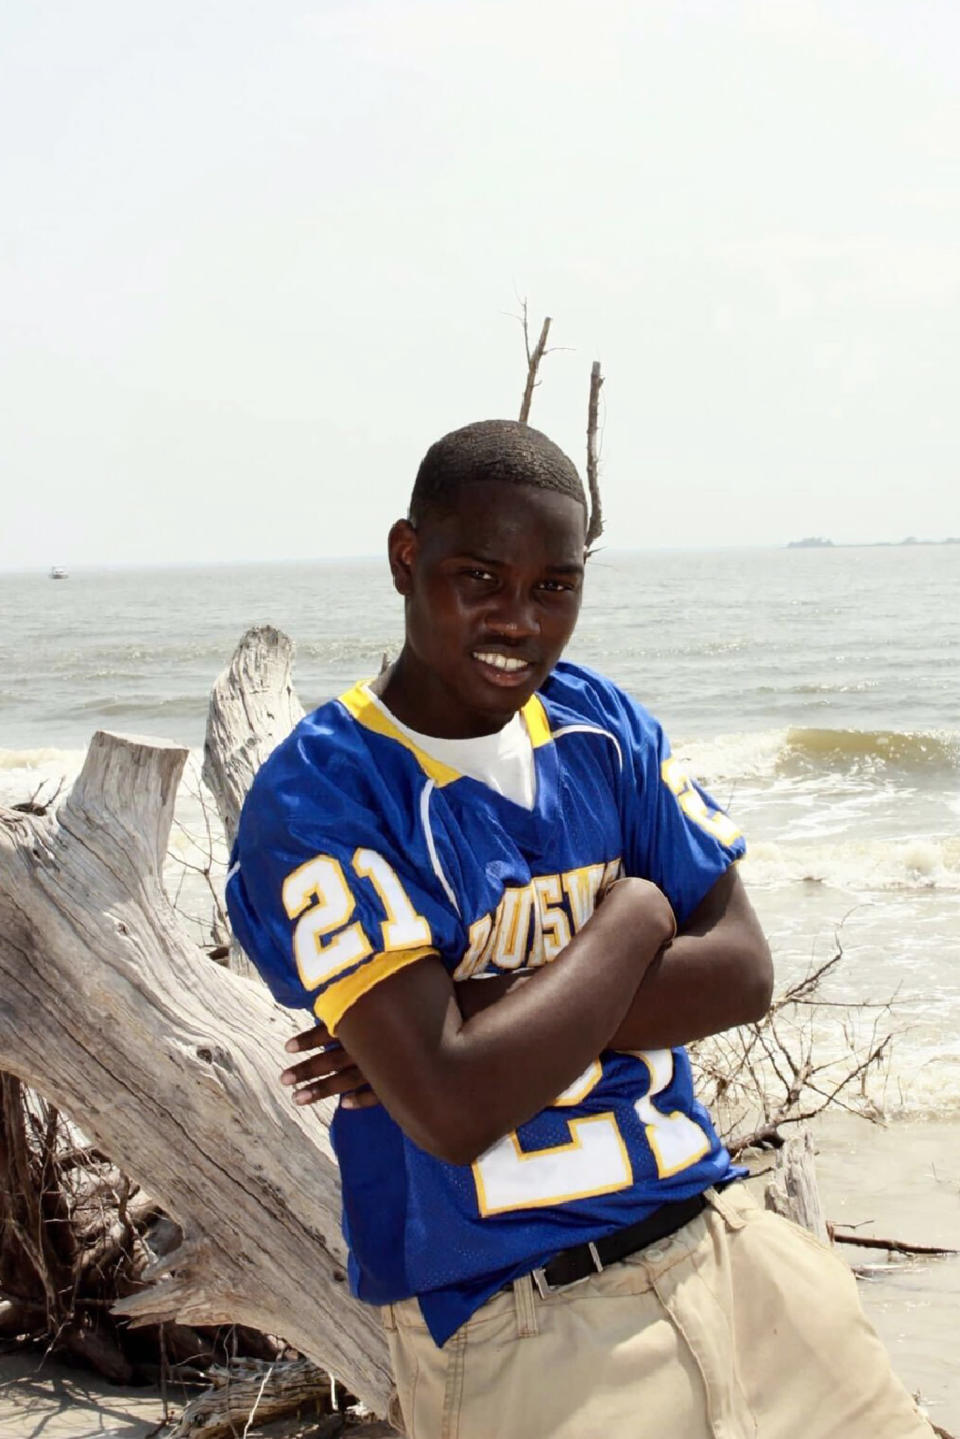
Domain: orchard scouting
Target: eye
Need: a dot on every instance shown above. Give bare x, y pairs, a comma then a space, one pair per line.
477, 572
558, 587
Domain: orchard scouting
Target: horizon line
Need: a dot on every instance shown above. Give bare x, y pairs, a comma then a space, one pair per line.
812, 543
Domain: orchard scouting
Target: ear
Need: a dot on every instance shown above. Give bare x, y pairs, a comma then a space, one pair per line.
402, 546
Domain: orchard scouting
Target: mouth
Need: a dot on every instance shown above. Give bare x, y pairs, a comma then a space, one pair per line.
500, 669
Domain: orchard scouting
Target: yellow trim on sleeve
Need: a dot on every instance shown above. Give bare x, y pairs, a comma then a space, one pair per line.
333, 1004
359, 704
535, 718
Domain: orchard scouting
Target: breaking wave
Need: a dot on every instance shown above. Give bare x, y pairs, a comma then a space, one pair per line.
801, 754
870, 751
864, 866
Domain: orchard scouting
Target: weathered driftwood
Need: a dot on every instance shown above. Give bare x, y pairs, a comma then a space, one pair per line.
253, 706
250, 1392
169, 1063
793, 1190
595, 525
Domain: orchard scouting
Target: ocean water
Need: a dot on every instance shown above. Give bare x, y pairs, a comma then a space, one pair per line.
815, 692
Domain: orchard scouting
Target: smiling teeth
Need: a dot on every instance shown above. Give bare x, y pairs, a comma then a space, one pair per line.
500, 662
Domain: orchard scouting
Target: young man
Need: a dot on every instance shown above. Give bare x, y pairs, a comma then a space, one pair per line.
509, 907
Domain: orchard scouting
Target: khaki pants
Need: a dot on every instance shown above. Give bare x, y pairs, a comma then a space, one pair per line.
739, 1326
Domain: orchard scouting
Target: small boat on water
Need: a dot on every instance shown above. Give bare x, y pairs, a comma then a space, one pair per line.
57, 572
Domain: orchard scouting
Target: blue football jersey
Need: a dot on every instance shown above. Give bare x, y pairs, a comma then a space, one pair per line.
357, 854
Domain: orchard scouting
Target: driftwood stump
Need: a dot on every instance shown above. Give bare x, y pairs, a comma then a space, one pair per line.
169, 1063
253, 706
793, 1191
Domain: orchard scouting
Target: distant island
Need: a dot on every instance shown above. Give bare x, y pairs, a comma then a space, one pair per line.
817, 542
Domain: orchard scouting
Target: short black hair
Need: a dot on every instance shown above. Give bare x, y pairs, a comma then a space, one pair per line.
503, 450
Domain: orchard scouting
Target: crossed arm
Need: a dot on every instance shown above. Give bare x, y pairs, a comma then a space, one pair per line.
428, 1048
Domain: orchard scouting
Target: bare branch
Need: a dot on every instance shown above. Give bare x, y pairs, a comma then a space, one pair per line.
595, 526
533, 363
895, 1246
34, 805
761, 1077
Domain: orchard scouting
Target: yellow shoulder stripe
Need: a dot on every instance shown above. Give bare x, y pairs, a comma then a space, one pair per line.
371, 716
365, 711
535, 718
333, 1004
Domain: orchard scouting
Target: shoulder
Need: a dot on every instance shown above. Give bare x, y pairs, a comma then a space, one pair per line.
574, 693
328, 767
323, 748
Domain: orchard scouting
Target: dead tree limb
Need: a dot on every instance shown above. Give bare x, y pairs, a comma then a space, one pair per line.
169, 1063
595, 527
534, 357
252, 1392
894, 1246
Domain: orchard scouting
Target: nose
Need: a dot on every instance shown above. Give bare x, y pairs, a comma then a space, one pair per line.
512, 614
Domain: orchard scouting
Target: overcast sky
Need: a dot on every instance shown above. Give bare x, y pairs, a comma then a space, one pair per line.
256, 257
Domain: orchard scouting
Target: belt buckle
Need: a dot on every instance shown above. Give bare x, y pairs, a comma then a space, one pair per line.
544, 1287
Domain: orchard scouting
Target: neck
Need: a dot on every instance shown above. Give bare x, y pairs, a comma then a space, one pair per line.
424, 703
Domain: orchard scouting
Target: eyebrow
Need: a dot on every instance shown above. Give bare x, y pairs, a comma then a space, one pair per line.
571, 569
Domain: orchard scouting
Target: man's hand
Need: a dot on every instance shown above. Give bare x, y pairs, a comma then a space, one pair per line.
329, 1072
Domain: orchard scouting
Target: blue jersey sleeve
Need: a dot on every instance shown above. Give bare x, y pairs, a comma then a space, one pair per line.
676, 834
324, 895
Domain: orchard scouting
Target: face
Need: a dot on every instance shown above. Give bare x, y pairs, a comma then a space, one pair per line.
492, 593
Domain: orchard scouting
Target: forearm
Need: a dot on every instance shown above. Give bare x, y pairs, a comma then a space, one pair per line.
715, 975
520, 1054
697, 986
472, 1080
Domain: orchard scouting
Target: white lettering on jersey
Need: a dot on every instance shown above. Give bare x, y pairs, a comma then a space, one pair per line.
534, 922
595, 1159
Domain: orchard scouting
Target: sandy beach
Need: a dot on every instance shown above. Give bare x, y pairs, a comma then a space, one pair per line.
44, 1398
901, 1181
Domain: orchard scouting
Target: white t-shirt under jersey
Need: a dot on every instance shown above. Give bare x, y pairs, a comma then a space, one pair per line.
503, 760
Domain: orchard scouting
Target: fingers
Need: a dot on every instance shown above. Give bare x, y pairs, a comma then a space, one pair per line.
360, 1099
327, 1073
331, 1084
314, 1038
328, 1061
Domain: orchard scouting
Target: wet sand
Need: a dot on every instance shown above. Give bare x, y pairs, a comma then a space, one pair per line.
905, 1181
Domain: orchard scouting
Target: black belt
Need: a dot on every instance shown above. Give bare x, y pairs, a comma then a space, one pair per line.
572, 1265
